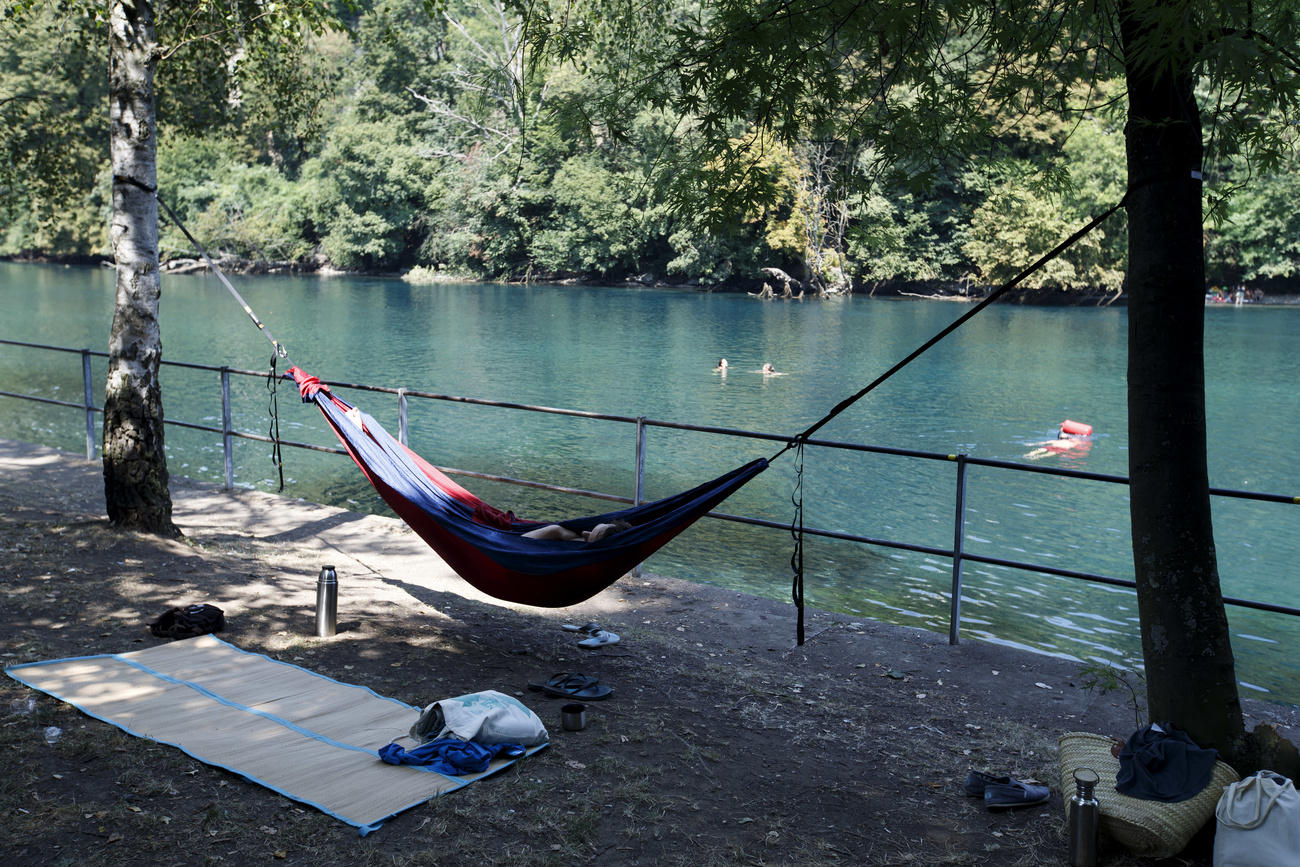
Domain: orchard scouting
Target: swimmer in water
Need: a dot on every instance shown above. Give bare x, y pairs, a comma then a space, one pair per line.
1063, 443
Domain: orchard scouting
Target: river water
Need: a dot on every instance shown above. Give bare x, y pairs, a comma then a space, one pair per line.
993, 389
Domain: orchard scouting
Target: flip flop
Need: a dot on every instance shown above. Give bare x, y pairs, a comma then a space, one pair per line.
589, 627
566, 679
565, 685
599, 638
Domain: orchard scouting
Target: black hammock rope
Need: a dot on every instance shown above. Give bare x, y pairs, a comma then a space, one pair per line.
796, 443
278, 349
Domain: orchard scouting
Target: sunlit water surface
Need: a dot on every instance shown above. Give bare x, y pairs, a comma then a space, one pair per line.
993, 389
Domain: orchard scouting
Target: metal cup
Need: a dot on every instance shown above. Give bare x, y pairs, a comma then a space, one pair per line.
573, 717
327, 602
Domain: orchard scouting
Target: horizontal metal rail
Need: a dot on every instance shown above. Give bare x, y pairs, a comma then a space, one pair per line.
957, 553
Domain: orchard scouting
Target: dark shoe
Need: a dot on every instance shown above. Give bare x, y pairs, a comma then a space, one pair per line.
978, 781
1004, 796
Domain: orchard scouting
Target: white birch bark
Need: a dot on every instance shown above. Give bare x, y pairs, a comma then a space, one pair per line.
135, 464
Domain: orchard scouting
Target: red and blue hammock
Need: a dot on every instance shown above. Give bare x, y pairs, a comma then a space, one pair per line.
486, 546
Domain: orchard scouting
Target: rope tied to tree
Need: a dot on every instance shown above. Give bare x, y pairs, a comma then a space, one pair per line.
278, 349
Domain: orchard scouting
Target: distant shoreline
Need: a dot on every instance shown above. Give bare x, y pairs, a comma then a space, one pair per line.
925, 291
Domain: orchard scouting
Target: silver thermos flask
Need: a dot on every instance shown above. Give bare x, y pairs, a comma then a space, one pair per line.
1083, 819
327, 602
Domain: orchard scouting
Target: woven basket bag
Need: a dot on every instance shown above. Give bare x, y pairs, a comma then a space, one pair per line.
1152, 829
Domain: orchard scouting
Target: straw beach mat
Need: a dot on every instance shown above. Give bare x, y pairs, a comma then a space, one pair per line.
1153, 829
304, 735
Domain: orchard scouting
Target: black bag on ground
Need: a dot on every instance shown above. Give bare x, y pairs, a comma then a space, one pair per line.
189, 621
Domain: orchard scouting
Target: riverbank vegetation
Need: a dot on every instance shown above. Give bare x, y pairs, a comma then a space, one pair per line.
445, 146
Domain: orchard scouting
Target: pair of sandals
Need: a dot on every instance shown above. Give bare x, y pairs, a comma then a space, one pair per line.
597, 635
571, 685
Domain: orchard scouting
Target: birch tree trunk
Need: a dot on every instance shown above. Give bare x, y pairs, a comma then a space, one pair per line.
135, 464
1191, 676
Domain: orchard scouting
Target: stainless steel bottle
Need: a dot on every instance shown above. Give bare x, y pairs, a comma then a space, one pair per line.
327, 602
1084, 813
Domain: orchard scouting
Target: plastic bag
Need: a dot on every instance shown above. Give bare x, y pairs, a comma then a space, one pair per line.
487, 717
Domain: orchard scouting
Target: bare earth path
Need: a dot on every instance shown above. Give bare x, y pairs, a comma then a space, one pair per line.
724, 743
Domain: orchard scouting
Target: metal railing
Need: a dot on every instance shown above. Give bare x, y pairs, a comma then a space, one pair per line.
957, 553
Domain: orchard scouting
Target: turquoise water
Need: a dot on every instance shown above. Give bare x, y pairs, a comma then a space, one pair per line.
991, 390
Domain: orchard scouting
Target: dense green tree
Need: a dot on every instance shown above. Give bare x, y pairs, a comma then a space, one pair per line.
504, 142
206, 43
1255, 236
53, 182
925, 85
366, 194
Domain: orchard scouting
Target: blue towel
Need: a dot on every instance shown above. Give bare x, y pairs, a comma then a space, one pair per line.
450, 756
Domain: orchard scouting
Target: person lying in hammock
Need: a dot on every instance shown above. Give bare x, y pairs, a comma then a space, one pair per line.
595, 534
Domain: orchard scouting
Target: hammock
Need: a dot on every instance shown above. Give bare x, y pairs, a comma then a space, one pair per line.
484, 545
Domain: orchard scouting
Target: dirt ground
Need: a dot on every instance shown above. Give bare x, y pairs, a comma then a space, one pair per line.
724, 743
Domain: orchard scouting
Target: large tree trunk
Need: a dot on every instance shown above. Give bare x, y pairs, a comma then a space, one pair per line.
135, 465
1191, 677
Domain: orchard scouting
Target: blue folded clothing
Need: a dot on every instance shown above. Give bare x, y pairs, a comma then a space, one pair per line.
1161, 763
450, 756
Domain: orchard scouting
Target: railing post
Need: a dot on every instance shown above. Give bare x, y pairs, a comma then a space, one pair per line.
958, 537
227, 441
638, 488
401, 417
638, 491
89, 404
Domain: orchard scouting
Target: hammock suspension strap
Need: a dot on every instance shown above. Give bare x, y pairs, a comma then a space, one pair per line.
957, 323
797, 442
272, 384
279, 351
796, 532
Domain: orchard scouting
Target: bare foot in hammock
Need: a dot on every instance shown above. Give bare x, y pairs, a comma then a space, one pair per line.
595, 534
600, 531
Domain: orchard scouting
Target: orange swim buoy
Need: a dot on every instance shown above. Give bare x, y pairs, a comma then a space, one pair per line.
1076, 428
